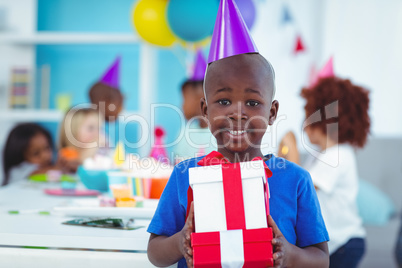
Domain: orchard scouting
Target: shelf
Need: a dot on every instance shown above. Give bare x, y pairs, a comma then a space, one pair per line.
57, 38
19, 115
38, 115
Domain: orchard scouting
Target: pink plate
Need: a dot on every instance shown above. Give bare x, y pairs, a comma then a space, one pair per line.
71, 192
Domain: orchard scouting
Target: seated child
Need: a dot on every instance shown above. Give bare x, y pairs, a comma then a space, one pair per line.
344, 127
106, 93
199, 139
398, 248
28, 150
79, 132
239, 89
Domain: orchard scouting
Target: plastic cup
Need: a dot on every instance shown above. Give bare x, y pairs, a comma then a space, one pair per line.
157, 187
63, 102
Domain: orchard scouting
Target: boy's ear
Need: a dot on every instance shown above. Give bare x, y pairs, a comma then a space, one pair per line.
204, 107
273, 112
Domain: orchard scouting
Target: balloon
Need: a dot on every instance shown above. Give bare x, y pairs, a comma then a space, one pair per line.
193, 46
192, 20
247, 10
150, 21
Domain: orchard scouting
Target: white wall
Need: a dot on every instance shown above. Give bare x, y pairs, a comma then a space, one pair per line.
365, 38
276, 42
20, 19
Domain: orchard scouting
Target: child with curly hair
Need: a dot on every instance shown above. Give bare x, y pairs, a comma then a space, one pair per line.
337, 121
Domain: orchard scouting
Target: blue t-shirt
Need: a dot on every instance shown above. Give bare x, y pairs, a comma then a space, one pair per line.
293, 203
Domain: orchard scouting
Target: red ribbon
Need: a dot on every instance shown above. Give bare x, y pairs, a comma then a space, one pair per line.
233, 193
232, 188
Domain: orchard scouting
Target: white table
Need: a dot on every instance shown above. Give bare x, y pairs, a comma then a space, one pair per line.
70, 246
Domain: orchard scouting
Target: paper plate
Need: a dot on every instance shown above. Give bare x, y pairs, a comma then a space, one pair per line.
135, 213
74, 192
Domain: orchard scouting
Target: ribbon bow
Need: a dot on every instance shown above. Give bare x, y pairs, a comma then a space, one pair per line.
216, 158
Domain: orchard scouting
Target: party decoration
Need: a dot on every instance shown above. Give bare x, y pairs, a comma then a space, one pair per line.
286, 16
158, 150
105, 93
299, 47
119, 155
111, 76
192, 20
199, 67
327, 70
149, 18
231, 36
194, 46
248, 11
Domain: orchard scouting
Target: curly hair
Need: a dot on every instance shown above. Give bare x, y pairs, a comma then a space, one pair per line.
350, 111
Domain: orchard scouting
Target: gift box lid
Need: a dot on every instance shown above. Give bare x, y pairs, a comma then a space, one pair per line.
213, 173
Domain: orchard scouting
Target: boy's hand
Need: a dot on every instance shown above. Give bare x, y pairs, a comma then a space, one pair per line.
282, 248
185, 243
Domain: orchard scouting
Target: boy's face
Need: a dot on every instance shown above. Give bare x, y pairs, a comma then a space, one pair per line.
191, 101
238, 103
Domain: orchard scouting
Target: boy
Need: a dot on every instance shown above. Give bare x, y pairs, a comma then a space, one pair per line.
197, 137
106, 93
192, 92
239, 88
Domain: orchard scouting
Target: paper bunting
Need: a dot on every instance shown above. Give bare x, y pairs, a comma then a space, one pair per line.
299, 47
286, 16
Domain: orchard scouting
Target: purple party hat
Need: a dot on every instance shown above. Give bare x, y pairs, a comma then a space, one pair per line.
111, 76
231, 36
199, 67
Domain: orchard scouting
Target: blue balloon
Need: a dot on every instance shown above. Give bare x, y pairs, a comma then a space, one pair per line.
192, 20
247, 10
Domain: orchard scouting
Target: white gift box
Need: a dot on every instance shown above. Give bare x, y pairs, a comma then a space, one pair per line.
209, 199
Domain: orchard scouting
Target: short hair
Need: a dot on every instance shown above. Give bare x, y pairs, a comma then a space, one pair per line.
100, 92
193, 83
353, 105
266, 63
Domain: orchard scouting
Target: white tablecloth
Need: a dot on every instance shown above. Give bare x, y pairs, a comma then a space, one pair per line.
69, 246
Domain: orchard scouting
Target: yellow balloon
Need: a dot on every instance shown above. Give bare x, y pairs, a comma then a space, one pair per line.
149, 18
